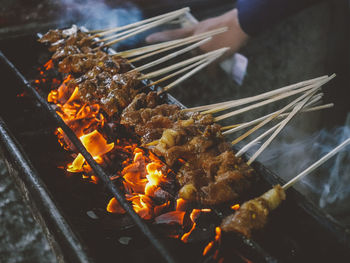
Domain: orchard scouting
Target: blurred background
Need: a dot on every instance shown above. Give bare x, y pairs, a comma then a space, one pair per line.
312, 43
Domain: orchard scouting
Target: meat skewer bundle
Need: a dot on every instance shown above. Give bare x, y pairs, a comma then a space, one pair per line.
208, 170
253, 214
212, 173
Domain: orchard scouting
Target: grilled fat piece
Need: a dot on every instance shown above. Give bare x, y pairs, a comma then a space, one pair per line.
253, 214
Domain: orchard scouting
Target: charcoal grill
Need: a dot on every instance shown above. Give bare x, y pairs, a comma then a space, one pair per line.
63, 205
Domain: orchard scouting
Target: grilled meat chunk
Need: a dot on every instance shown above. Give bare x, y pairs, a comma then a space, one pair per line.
253, 215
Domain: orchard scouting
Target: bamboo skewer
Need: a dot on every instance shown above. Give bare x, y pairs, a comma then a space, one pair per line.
316, 108
182, 64
260, 137
189, 74
269, 117
276, 97
316, 164
171, 56
172, 43
252, 143
237, 127
120, 28
140, 30
265, 95
296, 109
265, 102
182, 42
150, 25
176, 73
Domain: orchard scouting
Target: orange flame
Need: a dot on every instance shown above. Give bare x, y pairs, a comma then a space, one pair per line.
193, 216
235, 207
96, 145
141, 181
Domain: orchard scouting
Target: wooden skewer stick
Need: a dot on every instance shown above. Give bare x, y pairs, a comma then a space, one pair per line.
260, 137
181, 64
237, 127
235, 104
268, 131
267, 120
171, 56
263, 95
316, 108
263, 103
104, 39
140, 30
138, 23
316, 164
173, 43
189, 74
250, 123
263, 135
296, 109
176, 73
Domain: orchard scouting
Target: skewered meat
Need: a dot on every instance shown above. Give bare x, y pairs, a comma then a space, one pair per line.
67, 42
112, 91
253, 214
83, 62
209, 172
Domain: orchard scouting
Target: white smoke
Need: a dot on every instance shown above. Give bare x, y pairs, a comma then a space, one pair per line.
329, 185
96, 14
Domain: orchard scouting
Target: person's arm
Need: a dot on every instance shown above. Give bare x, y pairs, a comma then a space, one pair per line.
257, 15
248, 19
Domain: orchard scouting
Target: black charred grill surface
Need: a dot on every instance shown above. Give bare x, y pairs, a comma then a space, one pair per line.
291, 236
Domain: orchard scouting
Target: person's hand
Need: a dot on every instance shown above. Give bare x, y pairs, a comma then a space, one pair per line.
234, 37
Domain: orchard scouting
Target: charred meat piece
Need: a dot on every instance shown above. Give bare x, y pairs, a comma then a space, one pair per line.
67, 42
83, 62
253, 215
113, 92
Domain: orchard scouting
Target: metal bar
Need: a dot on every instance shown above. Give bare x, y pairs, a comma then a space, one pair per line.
97, 168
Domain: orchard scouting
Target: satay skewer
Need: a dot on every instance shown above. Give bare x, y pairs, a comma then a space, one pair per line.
170, 56
296, 109
237, 127
132, 32
321, 107
316, 164
240, 102
275, 129
181, 42
264, 102
192, 72
307, 95
253, 214
136, 24
181, 64
169, 44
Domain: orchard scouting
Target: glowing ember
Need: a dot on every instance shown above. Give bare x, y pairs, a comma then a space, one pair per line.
194, 215
181, 204
235, 207
96, 145
142, 179
114, 207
